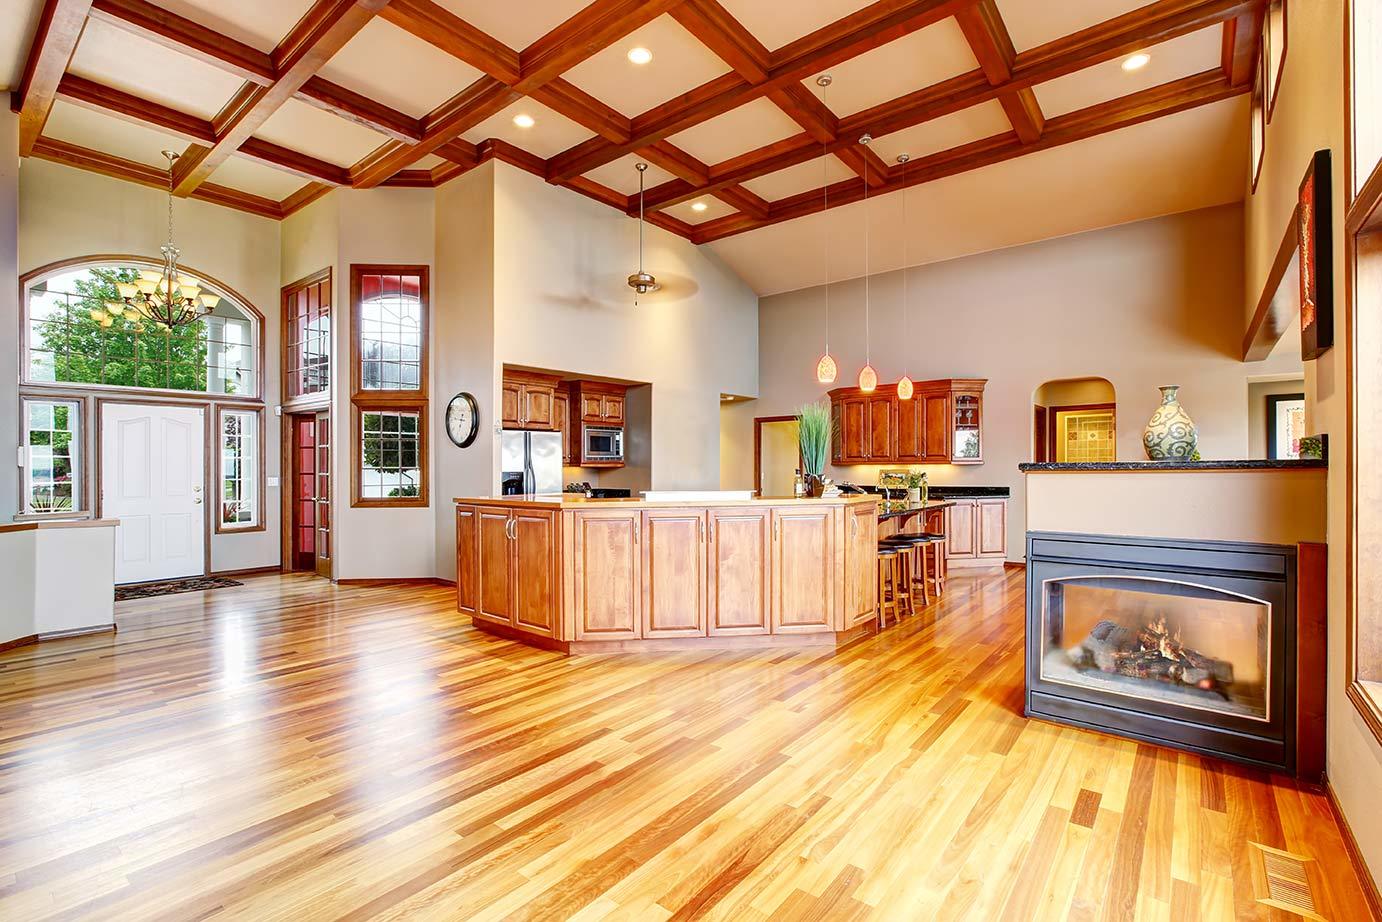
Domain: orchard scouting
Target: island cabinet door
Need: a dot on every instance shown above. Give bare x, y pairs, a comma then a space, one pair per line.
992, 518
536, 574
467, 559
673, 573
803, 571
607, 569
861, 561
738, 571
495, 572
963, 536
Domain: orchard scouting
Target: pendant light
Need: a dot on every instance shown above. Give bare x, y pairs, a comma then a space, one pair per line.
904, 387
826, 369
641, 282
868, 378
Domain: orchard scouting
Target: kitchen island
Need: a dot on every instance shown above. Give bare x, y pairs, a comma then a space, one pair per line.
597, 575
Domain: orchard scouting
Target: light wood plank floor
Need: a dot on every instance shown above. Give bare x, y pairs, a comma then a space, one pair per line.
293, 750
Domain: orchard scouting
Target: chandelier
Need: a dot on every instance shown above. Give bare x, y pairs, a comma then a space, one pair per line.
641, 282
164, 296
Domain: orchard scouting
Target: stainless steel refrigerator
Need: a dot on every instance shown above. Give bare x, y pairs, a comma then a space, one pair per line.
530, 462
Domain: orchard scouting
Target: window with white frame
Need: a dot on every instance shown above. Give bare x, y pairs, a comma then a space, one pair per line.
52, 457
239, 474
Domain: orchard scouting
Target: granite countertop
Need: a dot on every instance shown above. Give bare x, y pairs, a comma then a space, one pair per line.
957, 491
1244, 464
579, 501
902, 510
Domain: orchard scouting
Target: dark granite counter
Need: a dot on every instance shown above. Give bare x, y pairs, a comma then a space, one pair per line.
1230, 465
954, 491
903, 510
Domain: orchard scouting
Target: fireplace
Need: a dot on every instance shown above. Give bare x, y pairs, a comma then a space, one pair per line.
1183, 643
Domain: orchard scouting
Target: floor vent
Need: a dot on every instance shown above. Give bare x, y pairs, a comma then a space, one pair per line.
1282, 880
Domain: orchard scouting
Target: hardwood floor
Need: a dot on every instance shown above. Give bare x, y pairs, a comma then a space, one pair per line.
291, 749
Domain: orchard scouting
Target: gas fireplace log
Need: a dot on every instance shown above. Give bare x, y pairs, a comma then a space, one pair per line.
1152, 653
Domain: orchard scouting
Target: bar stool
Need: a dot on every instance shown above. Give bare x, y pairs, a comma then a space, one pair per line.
887, 583
936, 545
911, 551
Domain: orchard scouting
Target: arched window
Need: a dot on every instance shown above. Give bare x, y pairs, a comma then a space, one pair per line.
73, 335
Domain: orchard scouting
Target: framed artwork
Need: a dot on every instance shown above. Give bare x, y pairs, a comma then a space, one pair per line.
1285, 425
1315, 217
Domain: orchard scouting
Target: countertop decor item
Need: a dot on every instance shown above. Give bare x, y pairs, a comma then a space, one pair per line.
813, 435
917, 486
1170, 434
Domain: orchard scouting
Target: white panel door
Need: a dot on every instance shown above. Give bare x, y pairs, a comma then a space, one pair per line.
152, 463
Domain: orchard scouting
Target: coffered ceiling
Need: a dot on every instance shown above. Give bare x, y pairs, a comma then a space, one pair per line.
275, 102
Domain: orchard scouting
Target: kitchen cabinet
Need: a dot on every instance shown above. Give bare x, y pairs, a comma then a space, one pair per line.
803, 568
673, 573
861, 552
561, 416
536, 575
528, 401
507, 567
607, 564
737, 571
495, 574
941, 424
600, 403
977, 532
467, 559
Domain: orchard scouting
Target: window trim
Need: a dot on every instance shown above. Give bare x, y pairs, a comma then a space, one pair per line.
317, 399
357, 438
79, 495
29, 278
1363, 218
1273, 89
386, 398
221, 411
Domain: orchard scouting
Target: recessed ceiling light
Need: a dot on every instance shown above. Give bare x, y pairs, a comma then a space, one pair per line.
1136, 61
524, 120
640, 55
698, 206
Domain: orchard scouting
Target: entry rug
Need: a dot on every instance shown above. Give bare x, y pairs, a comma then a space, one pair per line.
171, 586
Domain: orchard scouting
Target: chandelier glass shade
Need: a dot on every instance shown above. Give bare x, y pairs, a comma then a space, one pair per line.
164, 297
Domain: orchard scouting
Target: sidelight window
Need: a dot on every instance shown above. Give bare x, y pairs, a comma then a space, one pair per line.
52, 457
239, 471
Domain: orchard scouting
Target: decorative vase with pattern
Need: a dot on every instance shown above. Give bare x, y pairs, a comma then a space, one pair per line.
1171, 433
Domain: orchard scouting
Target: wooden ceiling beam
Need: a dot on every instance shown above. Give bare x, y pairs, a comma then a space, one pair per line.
571, 101
598, 25
363, 111
183, 35
94, 161
714, 27
59, 26
993, 48
92, 95
869, 28
1242, 37
811, 113
322, 32
295, 162
1168, 99
303, 197
440, 27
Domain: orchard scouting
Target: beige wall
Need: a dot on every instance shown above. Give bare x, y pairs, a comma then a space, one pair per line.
9, 300
1144, 304
66, 213
1309, 115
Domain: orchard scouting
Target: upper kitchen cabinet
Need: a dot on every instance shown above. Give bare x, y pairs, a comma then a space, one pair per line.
941, 424
598, 403
529, 400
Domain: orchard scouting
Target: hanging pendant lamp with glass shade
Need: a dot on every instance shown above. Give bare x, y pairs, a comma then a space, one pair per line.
904, 387
165, 297
826, 369
868, 378
641, 282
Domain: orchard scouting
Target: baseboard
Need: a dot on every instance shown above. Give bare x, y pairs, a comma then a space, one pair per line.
247, 571
31, 639
396, 581
1014, 565
1355, 854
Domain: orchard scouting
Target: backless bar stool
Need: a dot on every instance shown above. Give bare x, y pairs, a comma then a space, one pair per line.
887, 583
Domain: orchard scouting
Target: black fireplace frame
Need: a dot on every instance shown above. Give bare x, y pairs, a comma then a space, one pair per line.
1222, 565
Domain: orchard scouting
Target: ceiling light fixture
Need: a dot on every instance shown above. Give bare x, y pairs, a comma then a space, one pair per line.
524, 120
699, 206
904, 387
641, 282
640, 55
163, 296
826, 370
1136, 61
868, 378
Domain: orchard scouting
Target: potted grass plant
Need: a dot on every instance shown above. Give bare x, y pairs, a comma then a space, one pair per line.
813, 433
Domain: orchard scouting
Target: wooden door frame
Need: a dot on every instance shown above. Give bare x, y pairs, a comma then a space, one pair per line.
1052, 413
288, 490
210, 445
758, 422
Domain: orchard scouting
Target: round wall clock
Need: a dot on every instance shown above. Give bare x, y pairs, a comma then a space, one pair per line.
462, 419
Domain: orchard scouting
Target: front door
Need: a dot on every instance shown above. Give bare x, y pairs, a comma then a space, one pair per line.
152, 480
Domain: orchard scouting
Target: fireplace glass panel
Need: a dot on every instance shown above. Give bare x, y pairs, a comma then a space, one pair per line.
1159, 640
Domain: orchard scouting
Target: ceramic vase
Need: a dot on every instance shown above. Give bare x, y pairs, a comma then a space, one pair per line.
914, 496
1171, 433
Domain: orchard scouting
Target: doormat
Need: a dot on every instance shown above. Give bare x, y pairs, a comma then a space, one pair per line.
171, 586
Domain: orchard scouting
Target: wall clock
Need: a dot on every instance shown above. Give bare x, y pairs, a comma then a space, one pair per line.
462, 419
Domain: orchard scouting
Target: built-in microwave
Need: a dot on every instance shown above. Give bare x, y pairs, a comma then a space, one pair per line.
603, 443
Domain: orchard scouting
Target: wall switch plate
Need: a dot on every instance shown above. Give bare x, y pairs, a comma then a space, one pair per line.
273, 481
278, 411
